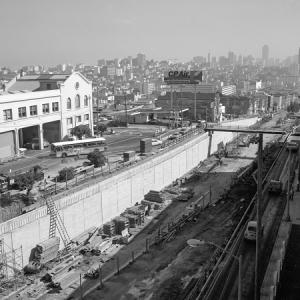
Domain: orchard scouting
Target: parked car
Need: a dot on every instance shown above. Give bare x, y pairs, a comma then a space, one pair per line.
250, 232
156, 142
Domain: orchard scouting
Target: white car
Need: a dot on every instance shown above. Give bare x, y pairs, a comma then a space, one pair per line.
156, 142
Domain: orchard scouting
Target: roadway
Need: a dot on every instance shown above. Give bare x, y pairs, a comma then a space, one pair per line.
117, 144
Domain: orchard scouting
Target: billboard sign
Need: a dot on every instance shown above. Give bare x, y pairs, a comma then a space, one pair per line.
183, 77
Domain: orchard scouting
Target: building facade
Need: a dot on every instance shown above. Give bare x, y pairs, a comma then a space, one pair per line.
46, 107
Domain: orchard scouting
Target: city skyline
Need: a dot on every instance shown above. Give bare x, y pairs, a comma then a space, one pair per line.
67, 31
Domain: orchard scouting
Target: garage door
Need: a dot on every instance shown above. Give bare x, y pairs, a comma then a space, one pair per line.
7, 144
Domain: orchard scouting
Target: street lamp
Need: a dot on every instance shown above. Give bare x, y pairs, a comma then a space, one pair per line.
197, 243
288, 218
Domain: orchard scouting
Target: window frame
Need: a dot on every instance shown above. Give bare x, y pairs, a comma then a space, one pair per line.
86, 101
70, 119
69, 103
77, 119
30, 111
77, 101
24, 112
57, 105
43, 108
86, 117
5, 115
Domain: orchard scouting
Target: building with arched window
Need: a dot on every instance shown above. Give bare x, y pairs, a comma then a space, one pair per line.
44, 107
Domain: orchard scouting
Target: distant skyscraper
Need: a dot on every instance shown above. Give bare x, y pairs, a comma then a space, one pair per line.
299, 62
265, 54
208, 58
141, 60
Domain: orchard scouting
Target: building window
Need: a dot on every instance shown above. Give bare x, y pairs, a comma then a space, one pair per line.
46, 108
86, 117
86, 101
78, 119
22, 112
33, 110
69, 103
69, 121
55, 106
77, 101
69, 132
7, 114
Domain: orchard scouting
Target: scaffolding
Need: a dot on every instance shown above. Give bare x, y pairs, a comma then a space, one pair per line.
11, 261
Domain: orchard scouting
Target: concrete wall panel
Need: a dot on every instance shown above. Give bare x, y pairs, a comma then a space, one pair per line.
124, 194
109, 203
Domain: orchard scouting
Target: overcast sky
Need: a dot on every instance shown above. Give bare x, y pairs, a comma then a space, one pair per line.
72, 31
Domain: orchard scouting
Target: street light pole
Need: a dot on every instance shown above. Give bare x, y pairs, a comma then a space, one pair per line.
126, 110
288, 218
258, 216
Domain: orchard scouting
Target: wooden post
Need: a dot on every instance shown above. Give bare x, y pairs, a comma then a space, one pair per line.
100, 277
81, 294
118, 265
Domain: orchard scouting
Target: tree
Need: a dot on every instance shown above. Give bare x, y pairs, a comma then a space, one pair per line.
80, 131
97, 158
66, 173
101, 128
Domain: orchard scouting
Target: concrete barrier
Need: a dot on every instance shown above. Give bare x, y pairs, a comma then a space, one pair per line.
272, 275
96, 202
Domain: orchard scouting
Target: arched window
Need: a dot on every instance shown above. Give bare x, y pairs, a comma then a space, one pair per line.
69, 103
77, 101
86, 101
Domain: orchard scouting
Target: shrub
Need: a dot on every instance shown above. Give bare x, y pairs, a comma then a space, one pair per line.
66, 173
97, 158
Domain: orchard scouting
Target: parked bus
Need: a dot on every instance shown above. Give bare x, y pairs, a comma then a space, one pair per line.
70, 148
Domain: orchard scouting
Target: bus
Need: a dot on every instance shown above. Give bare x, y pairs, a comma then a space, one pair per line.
71, 148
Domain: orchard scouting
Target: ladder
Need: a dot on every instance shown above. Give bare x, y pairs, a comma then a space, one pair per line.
57, 222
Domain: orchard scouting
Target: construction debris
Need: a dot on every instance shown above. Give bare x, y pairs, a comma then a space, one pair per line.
47, 250
154, 196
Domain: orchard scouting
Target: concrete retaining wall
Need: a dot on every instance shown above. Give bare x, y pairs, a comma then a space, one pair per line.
99, 202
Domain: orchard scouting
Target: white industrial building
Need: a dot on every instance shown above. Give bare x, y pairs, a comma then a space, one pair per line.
45, 106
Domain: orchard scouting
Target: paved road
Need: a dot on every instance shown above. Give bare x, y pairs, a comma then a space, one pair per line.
117, 144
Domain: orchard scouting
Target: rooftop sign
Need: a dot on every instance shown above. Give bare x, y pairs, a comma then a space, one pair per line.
183, 77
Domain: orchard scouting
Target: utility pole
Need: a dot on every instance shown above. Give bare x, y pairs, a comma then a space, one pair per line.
126, 110
195, 105
258, 217
288, 218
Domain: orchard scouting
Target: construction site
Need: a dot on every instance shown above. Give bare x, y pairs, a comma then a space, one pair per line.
143, 252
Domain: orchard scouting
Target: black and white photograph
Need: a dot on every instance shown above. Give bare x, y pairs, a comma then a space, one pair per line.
149, 150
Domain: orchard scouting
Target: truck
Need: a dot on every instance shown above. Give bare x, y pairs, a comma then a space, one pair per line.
275, 186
